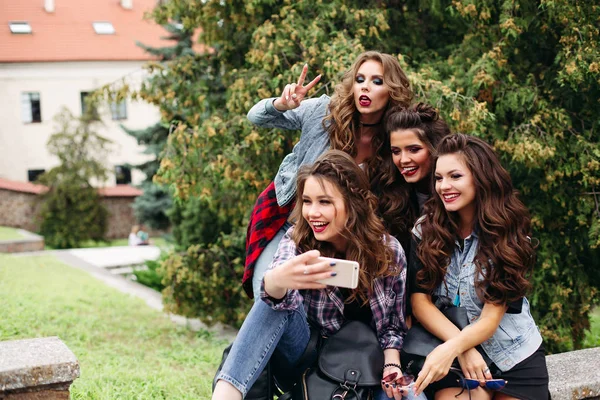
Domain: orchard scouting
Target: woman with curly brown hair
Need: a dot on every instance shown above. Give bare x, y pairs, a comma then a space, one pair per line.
475, 250
335, 217
351, 121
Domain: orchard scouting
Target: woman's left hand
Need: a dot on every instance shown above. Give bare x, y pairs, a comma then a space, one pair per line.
437, 364
389, 386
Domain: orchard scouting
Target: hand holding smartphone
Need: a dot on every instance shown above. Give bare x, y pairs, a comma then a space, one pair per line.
347, 272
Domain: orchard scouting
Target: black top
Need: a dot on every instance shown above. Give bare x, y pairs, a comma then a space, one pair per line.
355, 310
414, 266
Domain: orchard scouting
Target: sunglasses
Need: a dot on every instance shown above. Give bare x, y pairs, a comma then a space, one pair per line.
393, 380
470, 384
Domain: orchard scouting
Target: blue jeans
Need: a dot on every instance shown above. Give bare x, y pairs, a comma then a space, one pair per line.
264, 331
264, 260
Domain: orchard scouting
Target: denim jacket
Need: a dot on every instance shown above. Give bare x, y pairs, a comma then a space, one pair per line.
314, 139
517, 336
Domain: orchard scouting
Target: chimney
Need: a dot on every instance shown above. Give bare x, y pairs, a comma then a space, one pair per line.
127, 4
49, 6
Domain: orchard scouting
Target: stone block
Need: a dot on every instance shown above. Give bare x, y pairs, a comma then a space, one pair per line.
575, 374
32, 369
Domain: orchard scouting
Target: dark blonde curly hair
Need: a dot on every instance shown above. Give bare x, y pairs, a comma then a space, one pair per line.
363, 229
505, 256
343, 119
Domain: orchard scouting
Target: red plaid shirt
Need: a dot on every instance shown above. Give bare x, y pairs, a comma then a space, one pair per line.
266, 220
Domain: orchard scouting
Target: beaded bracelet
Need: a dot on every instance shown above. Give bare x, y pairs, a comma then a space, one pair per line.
392, 365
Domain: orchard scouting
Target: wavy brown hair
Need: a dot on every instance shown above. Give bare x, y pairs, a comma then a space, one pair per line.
343, 119
397, 198
363, 229
505, 256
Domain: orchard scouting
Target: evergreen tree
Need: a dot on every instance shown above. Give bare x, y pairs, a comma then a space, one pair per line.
72, 209
151, 208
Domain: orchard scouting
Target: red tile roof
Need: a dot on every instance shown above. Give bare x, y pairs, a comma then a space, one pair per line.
24, 187
28, 187
67, 33
120, 191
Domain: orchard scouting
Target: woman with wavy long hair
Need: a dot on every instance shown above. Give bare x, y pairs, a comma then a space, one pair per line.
335, 217
475, 250
350, 121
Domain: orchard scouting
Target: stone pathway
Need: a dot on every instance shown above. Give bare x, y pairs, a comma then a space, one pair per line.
99, 262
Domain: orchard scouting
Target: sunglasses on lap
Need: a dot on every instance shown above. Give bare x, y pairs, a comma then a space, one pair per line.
470, 384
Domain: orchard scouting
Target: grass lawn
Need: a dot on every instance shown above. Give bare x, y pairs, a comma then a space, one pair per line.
9, 233
125, 349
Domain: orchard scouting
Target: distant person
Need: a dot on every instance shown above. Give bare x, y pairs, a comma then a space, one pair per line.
133, 239
143, 237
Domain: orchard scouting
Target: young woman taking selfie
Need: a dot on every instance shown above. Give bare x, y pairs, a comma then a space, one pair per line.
335, 214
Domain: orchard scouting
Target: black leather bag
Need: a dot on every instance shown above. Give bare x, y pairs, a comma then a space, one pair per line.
349, 367
419, 342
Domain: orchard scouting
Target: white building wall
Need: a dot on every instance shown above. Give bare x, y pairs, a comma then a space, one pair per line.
23, 145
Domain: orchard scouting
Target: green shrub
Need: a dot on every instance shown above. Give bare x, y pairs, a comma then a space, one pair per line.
152, 277
72, 214
204, 281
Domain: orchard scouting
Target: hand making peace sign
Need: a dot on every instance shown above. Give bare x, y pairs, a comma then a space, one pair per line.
294, 93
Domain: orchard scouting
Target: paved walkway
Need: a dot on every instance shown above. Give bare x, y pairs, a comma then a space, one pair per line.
98, 262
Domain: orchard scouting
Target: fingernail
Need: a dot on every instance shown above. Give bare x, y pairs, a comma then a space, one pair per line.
333, 273
332, 263
387, 385
287, 97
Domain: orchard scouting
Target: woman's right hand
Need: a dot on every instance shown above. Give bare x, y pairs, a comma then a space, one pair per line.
300, 272
294, 93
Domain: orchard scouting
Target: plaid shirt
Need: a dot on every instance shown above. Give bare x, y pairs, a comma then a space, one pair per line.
325, 307
266, 220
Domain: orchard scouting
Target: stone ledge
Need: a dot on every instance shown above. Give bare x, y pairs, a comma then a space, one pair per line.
29, 242
575, 374
42, 362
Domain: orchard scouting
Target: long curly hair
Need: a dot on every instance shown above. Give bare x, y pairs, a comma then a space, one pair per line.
397, 198
343, 120
505, 256
363, 229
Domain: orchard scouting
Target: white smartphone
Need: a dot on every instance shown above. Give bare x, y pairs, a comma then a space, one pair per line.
347, 273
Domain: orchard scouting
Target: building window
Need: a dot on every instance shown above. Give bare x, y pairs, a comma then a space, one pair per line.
84, 107
30, 107
122, 174
104, 28
118, 110
33, 174
20, 27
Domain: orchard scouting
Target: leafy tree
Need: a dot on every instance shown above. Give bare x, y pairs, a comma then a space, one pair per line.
522, 74
72, 211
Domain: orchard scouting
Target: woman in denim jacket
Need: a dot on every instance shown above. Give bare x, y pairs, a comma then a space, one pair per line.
475, 249
351, 121
335, 214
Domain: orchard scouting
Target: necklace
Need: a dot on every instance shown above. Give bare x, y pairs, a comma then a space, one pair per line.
365, 124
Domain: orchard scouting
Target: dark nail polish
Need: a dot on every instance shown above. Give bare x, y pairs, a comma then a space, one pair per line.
332, 263
333, 273
387, 385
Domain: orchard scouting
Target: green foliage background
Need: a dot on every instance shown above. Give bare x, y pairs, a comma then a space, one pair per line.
522, 74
